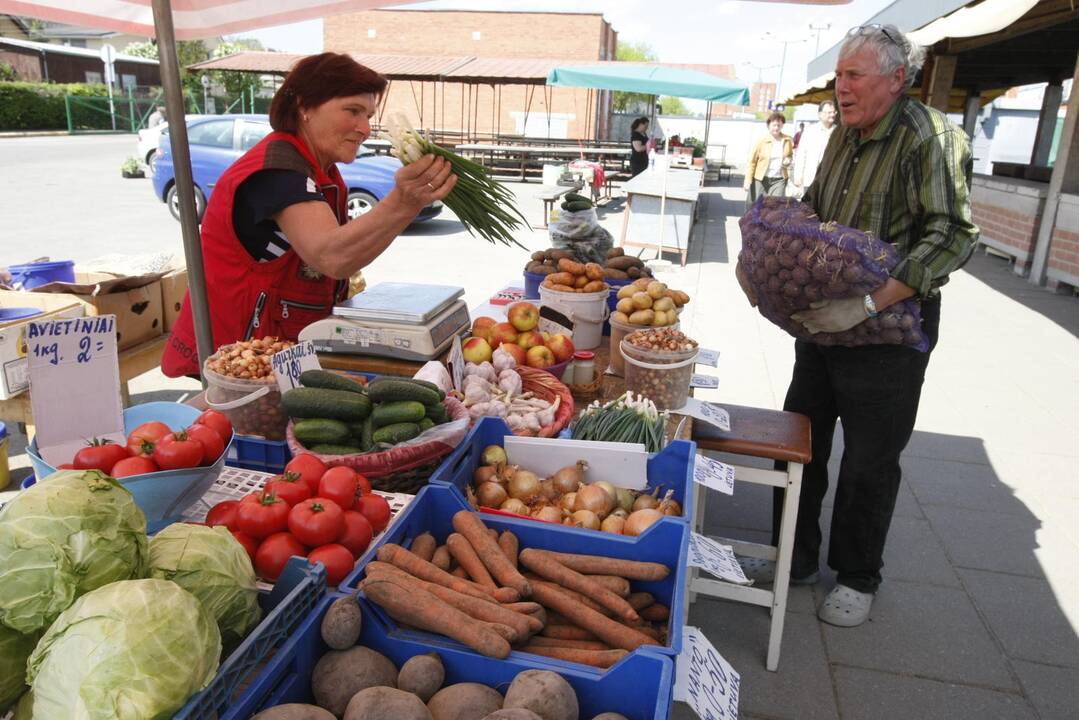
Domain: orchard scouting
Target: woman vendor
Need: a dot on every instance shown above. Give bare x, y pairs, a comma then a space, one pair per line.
277, 244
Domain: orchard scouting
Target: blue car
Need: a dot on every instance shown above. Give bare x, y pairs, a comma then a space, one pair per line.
217, 141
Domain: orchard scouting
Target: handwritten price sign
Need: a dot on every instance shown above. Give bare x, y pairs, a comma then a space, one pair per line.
704, 679
714, 474
715, 558
708, 412
703, 381
708, 357
291, 362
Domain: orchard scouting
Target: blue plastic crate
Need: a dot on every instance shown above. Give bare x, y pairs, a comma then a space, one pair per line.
672, 468
254, 453
292, 599
668, 543
640, 687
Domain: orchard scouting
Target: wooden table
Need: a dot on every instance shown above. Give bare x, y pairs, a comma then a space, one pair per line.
538, 153
675, 192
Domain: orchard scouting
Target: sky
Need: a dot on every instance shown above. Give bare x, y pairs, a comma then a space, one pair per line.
687, 31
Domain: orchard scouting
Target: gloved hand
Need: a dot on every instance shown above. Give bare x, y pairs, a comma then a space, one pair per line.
832, 315
743, 281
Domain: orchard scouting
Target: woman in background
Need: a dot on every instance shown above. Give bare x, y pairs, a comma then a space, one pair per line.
769, 163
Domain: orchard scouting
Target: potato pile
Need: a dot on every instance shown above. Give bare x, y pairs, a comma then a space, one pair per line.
617, 266
792, 260
572, 276
648, 302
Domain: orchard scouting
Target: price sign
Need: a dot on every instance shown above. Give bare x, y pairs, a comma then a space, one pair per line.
714, 474
291, 362
74, 384
708, 357
456, 361
716, 559
708, 412
704, 679
703, 381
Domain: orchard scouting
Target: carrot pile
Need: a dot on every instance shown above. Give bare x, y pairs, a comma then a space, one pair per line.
480, 589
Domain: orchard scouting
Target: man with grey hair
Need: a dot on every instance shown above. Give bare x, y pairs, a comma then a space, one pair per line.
899, 170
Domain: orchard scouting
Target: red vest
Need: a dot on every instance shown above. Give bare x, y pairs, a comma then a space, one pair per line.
250, 299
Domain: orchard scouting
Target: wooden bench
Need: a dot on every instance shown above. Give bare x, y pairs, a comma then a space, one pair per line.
549, 194
612, 177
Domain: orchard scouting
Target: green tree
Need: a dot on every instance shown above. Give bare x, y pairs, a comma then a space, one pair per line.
7, 73
628, 101
188, 52
236, 83
673, 106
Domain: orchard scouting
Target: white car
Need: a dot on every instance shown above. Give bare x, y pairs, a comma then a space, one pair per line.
149, 140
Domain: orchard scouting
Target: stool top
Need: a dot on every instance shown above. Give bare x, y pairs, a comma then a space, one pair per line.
771, 434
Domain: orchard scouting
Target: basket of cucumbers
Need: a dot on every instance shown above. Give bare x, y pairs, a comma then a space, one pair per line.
395, 430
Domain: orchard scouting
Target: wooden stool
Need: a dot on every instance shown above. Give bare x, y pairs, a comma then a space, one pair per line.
774, 435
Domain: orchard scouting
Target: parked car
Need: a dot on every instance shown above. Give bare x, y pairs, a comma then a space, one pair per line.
216, 141
150, 138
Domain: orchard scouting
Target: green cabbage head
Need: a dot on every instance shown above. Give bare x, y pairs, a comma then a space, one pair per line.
131, 650
15, 648
213, 566
68, 534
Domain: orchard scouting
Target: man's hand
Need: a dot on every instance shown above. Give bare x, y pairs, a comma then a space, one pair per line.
832, 315
743, 281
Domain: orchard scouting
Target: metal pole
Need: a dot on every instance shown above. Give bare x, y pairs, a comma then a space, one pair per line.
707, 127
185, 186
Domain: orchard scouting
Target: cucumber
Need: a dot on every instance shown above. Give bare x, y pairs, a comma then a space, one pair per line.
438, 414
321, 403
329, 381
436, 388
572, 196
398, 432
316, 431
387, 390
426, 424
356, 428
576, 206
328, 449
366, 441
388, 413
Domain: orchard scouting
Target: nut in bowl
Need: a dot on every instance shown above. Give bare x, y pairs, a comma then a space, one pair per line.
241, 384
659, 365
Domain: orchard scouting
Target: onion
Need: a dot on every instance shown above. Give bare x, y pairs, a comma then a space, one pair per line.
485, 473
568, 479
567, 500
493, 455
645, 502
619, 513
515, 506
625, 498
641, 520
594, 499
609, 488
491, 494
548, 513
506, 473
670, 506
548, 491
524, 486
585, 519
613, 524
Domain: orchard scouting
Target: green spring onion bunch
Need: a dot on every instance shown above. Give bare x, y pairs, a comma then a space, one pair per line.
629, 418
483, 204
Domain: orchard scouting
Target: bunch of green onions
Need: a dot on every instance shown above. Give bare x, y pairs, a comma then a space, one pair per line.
483, 204
629, 418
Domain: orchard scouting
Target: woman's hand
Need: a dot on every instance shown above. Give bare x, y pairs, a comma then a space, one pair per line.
421, 183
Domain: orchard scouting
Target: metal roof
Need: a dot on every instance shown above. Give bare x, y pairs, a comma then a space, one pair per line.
68, 50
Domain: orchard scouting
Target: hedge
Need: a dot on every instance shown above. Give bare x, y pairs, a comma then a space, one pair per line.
40, 106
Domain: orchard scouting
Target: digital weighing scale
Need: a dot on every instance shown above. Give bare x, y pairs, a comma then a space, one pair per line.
409, 321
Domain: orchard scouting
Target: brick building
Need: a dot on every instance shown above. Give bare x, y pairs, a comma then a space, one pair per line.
760, 94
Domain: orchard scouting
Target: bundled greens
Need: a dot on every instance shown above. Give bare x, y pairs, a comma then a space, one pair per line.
485, 206
629, 418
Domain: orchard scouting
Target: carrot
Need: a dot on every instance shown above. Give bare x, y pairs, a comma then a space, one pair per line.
396, 555
469, 524
460, 572
424, 546
493, 533
656, 613
544, 564
421, 609
579, 644
508, 542
618, 585
640, 600
504, 631
596, 565
527, 608
566, 632
595, 658
465, 555
441, 558
609, 631
583, 599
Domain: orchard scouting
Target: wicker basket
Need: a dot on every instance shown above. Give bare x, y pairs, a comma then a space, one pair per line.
546, 386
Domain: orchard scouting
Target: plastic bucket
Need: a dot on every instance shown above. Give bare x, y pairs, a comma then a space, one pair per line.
253, 406
42, 273
619, 331
586, 312
664, 383
532, 284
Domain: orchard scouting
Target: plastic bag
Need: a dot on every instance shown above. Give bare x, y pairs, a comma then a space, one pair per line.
581, 234
791, 260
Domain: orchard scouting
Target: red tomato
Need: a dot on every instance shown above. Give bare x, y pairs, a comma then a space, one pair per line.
316, 521
309, 468
224, 513
339, 484
99, 454
177, 450
274, 552
133, 466
218, 421
66, 466
337, 559
290, 487
357, 533
212, 443
251, 545
142, 439
261, 515
363, 487
376, 509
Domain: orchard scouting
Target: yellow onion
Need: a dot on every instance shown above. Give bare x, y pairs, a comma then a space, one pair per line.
645, 502
548, 513
566, 501
493, 455
524, 486
569, 478
669, 506
613, 524
548, 491
506, 472
594, 499
619, 513
515, 506
491, 494
609, 488
641, 520
625, 498
585, 519
484, 473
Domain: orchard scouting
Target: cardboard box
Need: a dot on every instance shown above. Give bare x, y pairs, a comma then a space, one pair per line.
135, 301
14, 375
173, 289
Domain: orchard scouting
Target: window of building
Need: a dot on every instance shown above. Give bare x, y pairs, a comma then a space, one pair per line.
93, 77
128, 82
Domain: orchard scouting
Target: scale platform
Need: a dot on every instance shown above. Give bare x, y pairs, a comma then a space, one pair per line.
408, 321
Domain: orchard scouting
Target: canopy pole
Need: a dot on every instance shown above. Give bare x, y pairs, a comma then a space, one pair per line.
707, 127
185, 186
663, 197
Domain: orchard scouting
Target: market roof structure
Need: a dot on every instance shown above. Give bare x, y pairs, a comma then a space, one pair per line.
651, 79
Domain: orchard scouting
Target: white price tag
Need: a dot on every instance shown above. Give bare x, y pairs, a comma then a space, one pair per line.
74, 384
708, 357
716, 559
456, 362
704, 679
708, 412
291, 362
714, 474
703, 381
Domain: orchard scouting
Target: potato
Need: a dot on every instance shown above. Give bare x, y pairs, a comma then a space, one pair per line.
625, 305
422, 675
342, 623
642, 317
664, 303
626, 291
544, 269
539, 255
295, 711
656, 289
561, 288
614, 274
557, 254
610, 716
680, 298
513, 714
642, 300
594, 286
377, 703
642, 283
561, 278
340, 674
624, 262
594, 271
621, 317
545, 693
659, 318
579, 281
570, 266
464, 701
615, 252
633, 272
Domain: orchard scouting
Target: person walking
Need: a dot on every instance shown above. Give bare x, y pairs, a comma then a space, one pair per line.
769, 163
810, 150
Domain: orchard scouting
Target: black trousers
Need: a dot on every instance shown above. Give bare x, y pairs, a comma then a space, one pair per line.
875, 391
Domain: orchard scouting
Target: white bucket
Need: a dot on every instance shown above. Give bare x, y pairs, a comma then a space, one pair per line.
586, 313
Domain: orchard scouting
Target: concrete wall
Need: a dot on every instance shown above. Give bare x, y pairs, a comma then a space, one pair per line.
1063, 263
1008, 212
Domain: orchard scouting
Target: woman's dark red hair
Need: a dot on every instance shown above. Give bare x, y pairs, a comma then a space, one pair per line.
316, 79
